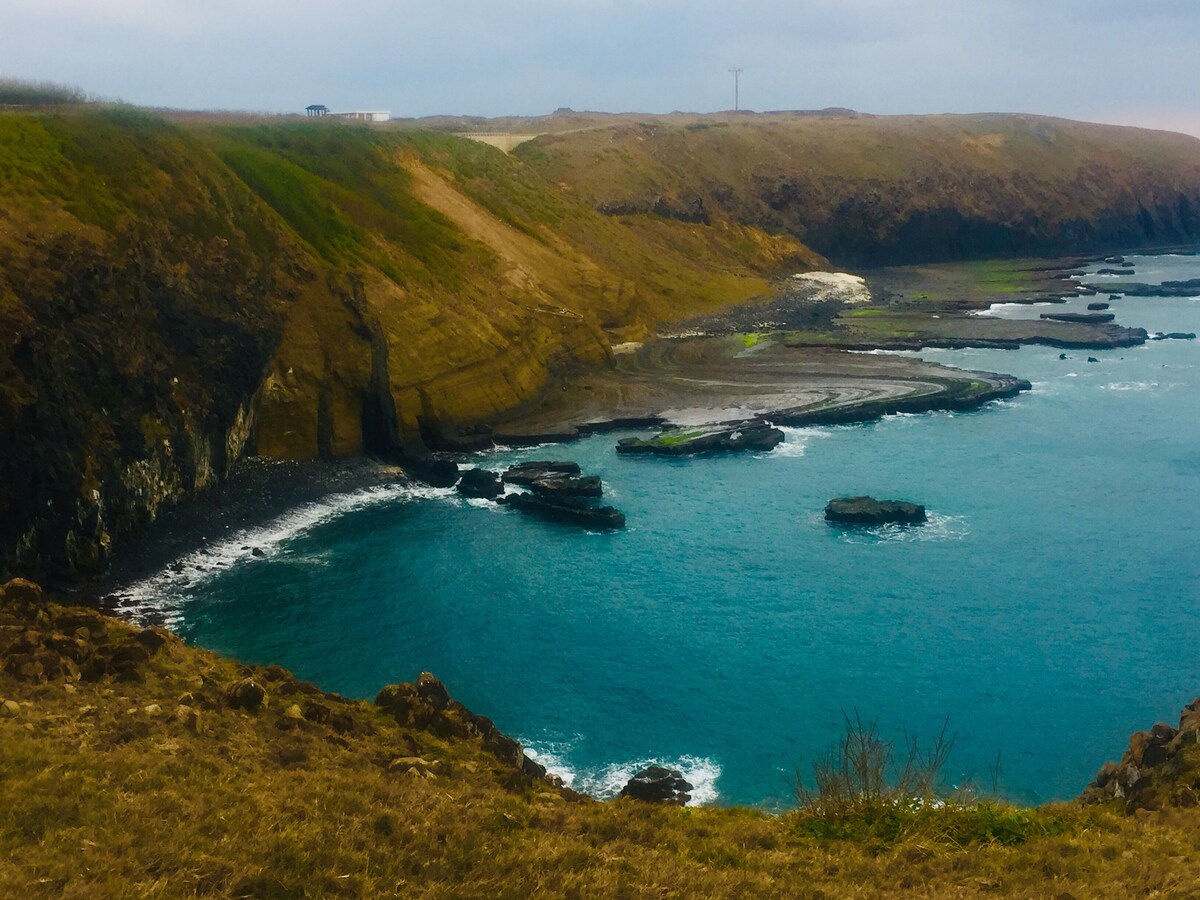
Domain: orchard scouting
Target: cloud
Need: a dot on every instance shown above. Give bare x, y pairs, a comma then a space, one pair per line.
1083, 58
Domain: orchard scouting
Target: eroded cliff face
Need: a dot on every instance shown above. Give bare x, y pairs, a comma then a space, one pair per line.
136, 322
172, 298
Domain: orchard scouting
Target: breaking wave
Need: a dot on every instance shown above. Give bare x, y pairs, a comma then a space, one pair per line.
605, 782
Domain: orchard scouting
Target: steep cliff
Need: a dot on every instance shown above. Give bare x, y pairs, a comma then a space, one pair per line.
874, 190
173, 295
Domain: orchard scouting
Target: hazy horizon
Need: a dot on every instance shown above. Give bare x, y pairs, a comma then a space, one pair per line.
1093, 60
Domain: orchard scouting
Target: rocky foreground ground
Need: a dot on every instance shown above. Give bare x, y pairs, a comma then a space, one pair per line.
134, 765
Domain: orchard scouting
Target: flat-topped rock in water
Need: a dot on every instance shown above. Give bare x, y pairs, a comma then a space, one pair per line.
567, 486
1096, 307
569, 510
658, 784
680, 442
1083, 318
869, 511
1126, 270
1174, 336
480, 483
1189, 288
526, 473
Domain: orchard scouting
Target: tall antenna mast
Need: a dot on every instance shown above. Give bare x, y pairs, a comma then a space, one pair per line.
737, 75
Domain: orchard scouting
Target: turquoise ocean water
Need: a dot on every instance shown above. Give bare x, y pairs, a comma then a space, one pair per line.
1050, 608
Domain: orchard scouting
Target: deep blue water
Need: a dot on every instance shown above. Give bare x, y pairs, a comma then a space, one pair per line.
1051, 607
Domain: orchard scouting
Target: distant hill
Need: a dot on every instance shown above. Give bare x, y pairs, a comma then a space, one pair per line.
890, 189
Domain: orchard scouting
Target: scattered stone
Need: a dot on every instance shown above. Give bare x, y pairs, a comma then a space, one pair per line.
246, 694
292, 756
869, 511
152, 709
480, 483
22, 594
657, 784
293, 712
152, 639
187, 717
1092, 359
259, 552
751, 437
1063, 356
10, 709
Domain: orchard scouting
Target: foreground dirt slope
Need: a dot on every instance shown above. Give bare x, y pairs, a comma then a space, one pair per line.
133, 765
874, 190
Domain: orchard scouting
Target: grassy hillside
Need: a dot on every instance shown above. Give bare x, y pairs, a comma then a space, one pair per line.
133, 765
174, 295
873, 190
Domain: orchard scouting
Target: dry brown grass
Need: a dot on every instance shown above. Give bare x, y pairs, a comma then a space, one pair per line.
104, 795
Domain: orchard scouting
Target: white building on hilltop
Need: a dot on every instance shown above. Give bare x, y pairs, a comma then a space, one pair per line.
367, 115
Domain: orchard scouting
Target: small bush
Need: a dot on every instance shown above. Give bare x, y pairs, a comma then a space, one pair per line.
860, 794
38, 93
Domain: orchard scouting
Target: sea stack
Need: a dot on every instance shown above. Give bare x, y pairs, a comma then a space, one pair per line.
869, 511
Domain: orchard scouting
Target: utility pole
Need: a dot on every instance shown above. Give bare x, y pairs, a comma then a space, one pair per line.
737, 75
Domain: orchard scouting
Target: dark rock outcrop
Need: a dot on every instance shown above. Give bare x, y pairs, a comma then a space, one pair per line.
526, 473
568, 510
434, 471
568, 486
246, 694
657, 784
1096, 307
1174, 336
480, 483
1189, 288
427, 704
41, 642
1161, 768
679, 442
1084, 318
869, 511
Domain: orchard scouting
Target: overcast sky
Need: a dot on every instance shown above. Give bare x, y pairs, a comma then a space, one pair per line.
1120, 61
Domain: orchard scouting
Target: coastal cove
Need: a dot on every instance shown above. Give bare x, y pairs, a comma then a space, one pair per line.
729, 627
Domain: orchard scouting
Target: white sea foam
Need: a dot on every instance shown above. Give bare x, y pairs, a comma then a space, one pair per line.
158, 597
1131, 386
606, 782
796, 441
938, 527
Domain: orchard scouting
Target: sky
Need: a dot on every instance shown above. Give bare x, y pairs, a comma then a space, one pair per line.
1117, 61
